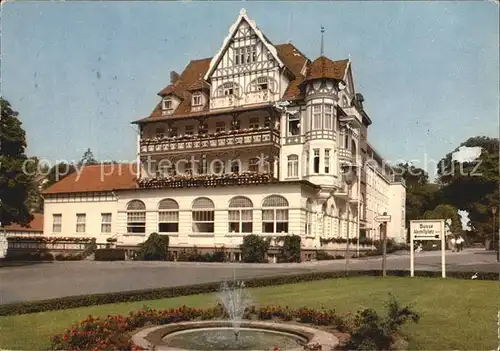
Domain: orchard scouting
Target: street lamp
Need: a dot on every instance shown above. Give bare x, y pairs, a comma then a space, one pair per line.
494, 211
349, 177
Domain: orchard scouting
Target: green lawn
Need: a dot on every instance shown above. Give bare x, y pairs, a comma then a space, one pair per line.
455, 314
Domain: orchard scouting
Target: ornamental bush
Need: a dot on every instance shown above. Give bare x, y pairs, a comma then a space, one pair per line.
155, 248
254, 249
109, 255
290, 250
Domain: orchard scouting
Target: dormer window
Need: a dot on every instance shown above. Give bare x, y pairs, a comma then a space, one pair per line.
167, 103
197, 99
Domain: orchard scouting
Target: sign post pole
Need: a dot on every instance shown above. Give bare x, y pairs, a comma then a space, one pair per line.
412, 256
443, 248
427, 229
384, 219
384, 250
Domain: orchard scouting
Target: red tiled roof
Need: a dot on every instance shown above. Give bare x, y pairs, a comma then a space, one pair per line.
97, 178
36, 225
323, 67
191, 79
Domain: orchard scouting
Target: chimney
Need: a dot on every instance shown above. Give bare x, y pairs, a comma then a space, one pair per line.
174, 77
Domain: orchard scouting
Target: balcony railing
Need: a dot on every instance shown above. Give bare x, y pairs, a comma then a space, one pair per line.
247, 99
211, 180
234, 138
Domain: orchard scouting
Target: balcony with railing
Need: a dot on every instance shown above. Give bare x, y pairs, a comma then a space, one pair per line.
256, 97
207, 180
224, 139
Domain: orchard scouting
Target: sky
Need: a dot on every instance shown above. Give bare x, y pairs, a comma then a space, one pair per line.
79, 72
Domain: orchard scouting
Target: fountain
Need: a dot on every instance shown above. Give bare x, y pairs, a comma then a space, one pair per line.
235, 300
235, 333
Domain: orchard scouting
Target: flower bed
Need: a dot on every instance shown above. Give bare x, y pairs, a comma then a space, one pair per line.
207, 180
365, 328
114, 332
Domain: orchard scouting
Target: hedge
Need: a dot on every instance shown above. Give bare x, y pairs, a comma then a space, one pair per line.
109, 255
162, 293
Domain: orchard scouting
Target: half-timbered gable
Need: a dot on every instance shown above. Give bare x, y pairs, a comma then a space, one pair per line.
247, 70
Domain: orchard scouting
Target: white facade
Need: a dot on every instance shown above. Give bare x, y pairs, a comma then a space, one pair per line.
236, 130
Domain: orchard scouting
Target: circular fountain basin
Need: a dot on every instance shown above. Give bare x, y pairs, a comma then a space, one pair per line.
220, 335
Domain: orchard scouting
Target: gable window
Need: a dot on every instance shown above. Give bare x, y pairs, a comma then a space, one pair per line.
254, 123
240, 215
327, 161
316, 161
167, 103
106, 222
220, 127
316, 117
196, 99
294, 124
203, 215
328, 116
245, 54
168, 216
160, 133
261, 84
188, 130
275, 214
80, 222
56, 223
228, 88
293, 166
136, 217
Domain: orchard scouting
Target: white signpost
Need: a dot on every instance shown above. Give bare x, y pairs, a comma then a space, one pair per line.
427, 229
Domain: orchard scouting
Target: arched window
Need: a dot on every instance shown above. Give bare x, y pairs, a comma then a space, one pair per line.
275, 214
228, 88
293, 166
203, 215
168, 216
240, 215
136, 217
309, 216
260, 84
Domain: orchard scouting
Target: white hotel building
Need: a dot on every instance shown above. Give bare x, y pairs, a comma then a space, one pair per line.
275, 135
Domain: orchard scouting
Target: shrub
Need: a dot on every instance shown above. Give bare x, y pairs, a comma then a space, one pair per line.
290, 250
189, 255
29, 256
254, 249
109, 255
373, 332
155, 248
323, 256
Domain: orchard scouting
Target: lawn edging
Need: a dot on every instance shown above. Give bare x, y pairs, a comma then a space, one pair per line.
169, 292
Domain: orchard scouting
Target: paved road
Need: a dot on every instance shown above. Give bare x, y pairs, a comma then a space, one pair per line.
57, 279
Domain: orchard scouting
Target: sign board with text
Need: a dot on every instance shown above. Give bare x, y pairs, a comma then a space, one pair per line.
427, 229
382, 218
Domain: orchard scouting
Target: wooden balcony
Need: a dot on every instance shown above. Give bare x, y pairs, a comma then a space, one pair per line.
230, 139
211, 180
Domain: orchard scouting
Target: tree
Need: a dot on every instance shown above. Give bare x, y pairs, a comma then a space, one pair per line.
36, 172
88, 159
446, 212
473, 185
290, 250
14, 182
420, 194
